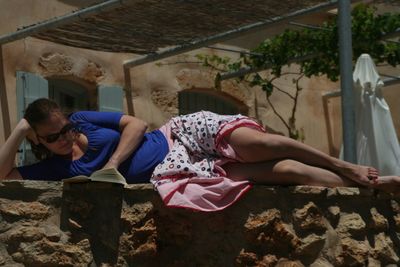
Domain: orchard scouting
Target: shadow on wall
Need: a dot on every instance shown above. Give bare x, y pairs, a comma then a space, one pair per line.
92, 211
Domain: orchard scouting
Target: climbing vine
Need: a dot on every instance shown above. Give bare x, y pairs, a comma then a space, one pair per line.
316, 52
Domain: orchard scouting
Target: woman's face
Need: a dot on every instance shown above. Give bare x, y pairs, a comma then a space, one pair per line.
56, 134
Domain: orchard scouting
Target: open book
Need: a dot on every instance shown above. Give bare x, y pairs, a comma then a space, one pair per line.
111, 175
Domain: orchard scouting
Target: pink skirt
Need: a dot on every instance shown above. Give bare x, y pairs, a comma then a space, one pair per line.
191, 175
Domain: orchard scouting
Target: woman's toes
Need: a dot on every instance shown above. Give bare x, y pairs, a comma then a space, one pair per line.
373, 171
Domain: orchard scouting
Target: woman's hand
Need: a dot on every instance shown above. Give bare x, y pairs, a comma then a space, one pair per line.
111, 164
27, 130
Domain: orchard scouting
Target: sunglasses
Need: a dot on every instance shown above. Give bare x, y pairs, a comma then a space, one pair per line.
51, 138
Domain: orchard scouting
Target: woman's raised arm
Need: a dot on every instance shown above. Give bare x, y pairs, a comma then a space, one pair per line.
9, 150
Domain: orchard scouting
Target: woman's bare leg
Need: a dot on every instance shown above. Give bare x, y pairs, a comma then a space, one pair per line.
389, 184
254, 146
285, 172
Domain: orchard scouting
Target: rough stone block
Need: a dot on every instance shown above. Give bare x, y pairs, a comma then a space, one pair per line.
309, 218
309, 190
16, 210
353, 253
351, 225
265, 221
384, 250
333, 215
378, 221
310, 246
47, 253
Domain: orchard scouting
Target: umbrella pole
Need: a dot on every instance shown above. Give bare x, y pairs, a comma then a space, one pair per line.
346, 81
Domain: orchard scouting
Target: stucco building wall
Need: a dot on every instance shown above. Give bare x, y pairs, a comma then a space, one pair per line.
156, 85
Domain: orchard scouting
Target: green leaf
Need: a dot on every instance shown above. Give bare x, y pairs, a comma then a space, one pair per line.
200, 56
268, 88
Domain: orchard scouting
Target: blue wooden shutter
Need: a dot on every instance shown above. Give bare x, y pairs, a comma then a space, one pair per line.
29, 88
110, 98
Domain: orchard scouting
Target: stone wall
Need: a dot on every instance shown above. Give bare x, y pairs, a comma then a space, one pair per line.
95, 224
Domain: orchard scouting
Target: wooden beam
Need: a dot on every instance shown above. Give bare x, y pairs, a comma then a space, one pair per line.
3, 99
128, 91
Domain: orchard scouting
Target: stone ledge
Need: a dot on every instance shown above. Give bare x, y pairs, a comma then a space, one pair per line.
300, 189
46, 224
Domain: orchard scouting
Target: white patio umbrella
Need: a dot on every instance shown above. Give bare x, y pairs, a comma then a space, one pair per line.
377, 143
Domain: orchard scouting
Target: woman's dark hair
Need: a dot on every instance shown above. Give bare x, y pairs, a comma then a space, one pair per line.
36, 113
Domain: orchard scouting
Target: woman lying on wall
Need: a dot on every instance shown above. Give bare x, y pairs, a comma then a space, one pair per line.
202, 161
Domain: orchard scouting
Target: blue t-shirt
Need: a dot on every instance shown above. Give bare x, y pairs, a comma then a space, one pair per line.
102, 132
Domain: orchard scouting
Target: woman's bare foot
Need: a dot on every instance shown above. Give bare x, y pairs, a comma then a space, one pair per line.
363, 175
390, 184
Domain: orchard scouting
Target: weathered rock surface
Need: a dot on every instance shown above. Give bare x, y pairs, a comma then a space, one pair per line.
46, 224
61, 65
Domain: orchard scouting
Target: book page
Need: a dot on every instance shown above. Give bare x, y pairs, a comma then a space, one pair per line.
109, 176
104, 175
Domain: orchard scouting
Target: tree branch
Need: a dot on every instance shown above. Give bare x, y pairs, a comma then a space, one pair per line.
284, 92
296, 98
277, 114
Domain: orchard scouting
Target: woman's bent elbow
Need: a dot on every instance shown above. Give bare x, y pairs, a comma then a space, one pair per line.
12, 175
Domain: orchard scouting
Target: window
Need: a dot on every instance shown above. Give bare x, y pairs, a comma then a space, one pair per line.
71, 96
194, 100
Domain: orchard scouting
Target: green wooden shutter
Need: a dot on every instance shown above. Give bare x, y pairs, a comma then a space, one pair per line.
110, 98
29, 88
